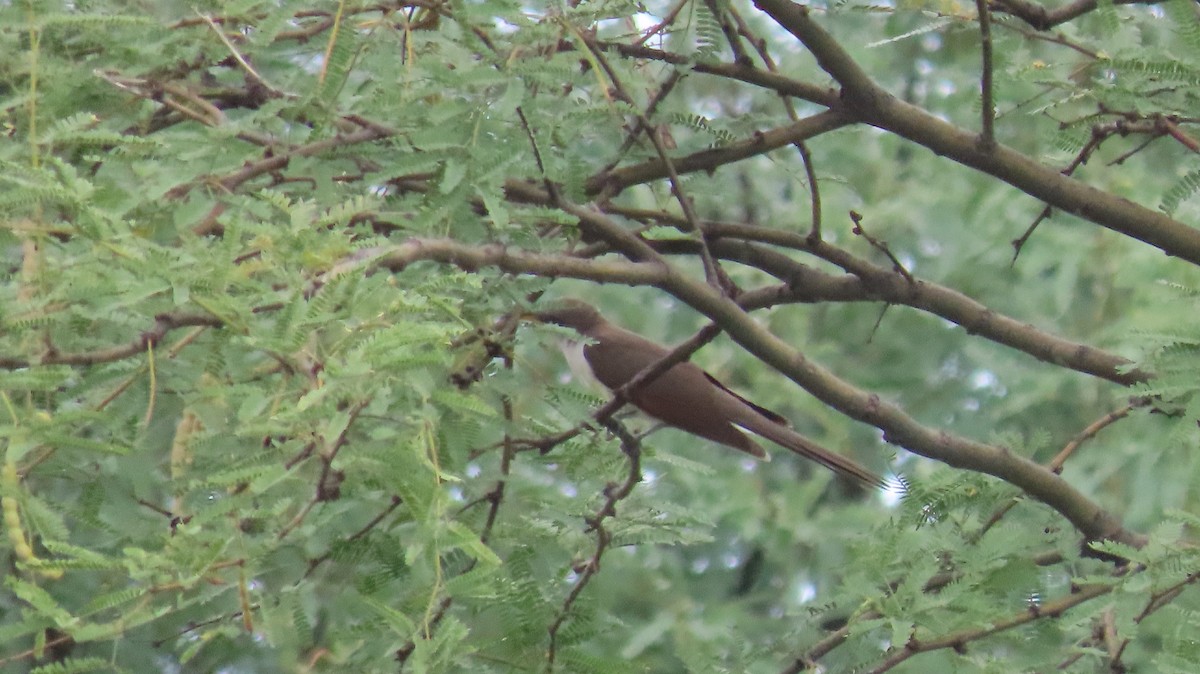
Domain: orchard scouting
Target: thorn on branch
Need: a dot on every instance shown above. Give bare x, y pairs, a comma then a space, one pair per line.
1018, 243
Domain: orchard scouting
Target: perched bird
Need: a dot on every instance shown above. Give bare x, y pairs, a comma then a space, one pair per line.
686, 396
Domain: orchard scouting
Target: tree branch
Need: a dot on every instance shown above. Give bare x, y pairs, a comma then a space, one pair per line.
708, 160
1041, 484
875, 106
872, 283
900, 429
1044, 19
163, 324
1050, 609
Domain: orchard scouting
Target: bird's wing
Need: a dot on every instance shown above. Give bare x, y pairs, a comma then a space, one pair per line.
749, 419
691, 399
684, 396
769, 414
623, 354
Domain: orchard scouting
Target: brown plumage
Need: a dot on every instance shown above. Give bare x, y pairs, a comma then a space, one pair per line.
685, 396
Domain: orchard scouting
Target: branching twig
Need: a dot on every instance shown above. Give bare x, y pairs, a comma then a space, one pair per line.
958, 639
1018, 244
1055, 38
375, 521
881, 246
632, 134
1108, 636
718, 10
709, 160
1056, 464
715, 276
667, 20
613, 493
328, 487
1098, 136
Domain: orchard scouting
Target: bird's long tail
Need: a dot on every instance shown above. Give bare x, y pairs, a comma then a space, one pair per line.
786, 437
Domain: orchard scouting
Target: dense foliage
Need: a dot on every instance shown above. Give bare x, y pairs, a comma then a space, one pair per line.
268, 402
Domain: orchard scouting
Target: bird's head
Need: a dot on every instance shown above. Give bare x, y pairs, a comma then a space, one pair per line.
570, 313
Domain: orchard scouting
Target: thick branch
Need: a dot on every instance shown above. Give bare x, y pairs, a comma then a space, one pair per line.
471, 258
899, 428
875, 106
868, 282
882, 284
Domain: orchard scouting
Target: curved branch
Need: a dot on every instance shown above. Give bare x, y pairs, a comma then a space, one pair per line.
898, 427
163, 324
1041, 484
868, 282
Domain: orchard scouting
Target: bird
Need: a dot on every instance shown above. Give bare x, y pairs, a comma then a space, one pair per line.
685, 396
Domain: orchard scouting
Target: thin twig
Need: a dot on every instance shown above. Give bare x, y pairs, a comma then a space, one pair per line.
814, 192
987, 139
1089, 148
238, 55
1056, 464
713, 273
881, 246
375, 521
328, 487
957, 640
613, 493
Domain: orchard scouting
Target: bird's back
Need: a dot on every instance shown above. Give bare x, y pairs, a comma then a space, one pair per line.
684, 396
